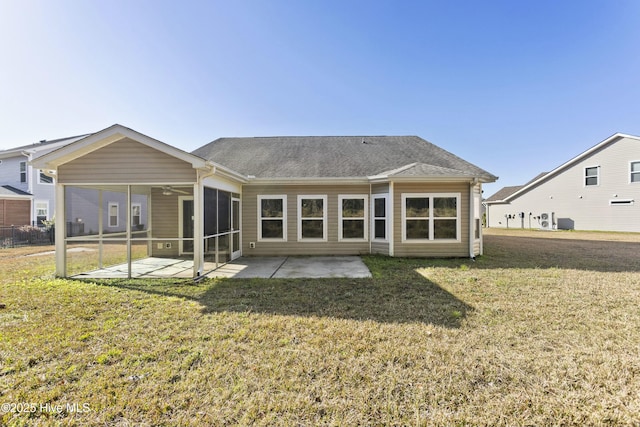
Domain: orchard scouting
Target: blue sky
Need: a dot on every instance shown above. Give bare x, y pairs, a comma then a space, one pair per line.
516, 87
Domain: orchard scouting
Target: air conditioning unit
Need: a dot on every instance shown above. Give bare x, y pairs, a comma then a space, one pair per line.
546, 221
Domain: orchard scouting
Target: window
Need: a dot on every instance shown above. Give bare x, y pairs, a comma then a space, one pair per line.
113, 214
380, 217
427, 217
591, 175
23, 171
635, 171
272, 217
136, 214
42, 212
352, 217
312, 218
44, 179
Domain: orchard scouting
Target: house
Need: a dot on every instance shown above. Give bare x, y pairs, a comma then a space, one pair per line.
398, 196
596, 190
28, 194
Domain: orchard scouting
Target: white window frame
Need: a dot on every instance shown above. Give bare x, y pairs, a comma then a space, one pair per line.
364, 219
23, 172
585, 176
374, 218
43, 202
431, 218
323, 197
40, 181
139, 206
109, 206
631, 172
282, 197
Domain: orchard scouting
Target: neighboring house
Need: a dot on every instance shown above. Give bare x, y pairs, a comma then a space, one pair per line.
398, 196
596, 190
32, 184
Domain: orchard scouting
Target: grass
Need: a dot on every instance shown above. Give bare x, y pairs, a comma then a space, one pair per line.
541, 330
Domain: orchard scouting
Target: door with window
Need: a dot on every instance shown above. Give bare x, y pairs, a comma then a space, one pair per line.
185, 214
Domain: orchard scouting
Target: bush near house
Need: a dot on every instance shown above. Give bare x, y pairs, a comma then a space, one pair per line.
543, 329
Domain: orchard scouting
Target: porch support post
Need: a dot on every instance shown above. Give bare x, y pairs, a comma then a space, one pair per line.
472, 222
60, 231
198, 229
128, 228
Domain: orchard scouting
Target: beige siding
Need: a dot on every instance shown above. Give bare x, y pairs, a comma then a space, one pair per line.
15, 212
164, 221
431, 249
576, 205
292, 247
381, 248
126, 161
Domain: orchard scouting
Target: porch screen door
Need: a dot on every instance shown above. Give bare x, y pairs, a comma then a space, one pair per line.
186, 225
235, 228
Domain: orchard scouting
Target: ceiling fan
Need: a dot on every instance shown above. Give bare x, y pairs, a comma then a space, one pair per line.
168, 190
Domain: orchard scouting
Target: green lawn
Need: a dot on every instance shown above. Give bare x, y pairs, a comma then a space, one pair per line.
544, 329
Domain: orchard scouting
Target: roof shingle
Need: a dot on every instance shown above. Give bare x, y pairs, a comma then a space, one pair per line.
337, 156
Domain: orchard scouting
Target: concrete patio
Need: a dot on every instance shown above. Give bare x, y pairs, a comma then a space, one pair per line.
258, 267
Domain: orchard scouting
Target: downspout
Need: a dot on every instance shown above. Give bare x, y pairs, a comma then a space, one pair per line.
472, 222
198, 223
370, 217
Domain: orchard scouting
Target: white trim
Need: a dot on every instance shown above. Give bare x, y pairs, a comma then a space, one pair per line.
282, 197
385, 197
631, 172
585, 176
431, 218
139, 205
41, 172
117, 205
322, 197
365, 219
35, 209
20, 172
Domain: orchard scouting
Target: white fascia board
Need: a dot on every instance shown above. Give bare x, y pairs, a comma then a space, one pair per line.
218, 169
309, 180
570, 163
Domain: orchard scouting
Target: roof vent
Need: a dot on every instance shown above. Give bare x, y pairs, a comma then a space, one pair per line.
42, 141
363, 141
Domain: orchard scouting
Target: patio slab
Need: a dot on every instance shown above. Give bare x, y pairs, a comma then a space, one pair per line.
294, 267
242, 268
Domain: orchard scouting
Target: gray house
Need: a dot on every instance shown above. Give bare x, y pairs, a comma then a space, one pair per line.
398, 196
596, 190
27, 197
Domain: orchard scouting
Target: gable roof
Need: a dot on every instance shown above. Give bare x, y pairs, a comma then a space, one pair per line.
505, 192
40, 146
105, 137
7, 191
545, 176
339, 157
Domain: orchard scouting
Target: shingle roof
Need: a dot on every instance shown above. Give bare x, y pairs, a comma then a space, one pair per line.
503, 193
337, 156
7, 190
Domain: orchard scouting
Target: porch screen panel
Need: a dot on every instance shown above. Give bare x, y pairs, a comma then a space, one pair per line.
210, 211
224, 211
